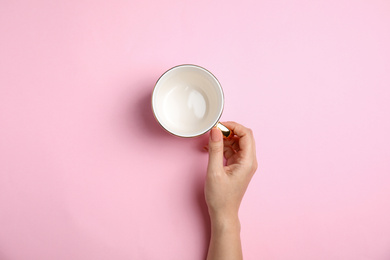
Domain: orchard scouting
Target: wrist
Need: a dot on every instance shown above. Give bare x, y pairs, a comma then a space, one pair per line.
225, 221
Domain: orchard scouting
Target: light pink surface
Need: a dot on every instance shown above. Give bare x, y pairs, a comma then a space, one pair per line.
86, 172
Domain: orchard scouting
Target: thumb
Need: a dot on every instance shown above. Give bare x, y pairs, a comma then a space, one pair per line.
215, 150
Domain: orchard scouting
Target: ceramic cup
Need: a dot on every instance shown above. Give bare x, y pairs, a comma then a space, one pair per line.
188, 101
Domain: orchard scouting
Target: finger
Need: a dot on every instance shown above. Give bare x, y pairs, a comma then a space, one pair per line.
235, 144
215, 150
232, 142
246, 140
237, 128
228, 152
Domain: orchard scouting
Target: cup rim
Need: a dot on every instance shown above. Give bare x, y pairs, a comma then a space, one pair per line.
198, 67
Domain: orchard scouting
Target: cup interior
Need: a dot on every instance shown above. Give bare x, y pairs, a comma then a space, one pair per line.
187, 100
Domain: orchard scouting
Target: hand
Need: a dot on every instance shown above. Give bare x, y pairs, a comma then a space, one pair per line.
226, 185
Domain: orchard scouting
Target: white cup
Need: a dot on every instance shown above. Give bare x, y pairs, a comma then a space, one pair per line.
188, 101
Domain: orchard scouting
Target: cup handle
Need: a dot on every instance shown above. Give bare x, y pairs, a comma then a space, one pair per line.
227, 133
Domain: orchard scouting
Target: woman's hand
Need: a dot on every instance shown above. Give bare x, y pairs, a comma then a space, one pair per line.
225, 187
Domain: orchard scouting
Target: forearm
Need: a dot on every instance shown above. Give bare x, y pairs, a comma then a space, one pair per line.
225, 242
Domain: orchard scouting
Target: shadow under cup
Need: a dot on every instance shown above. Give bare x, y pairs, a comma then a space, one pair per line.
187, 100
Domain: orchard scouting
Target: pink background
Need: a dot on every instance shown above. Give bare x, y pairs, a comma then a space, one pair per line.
87, 173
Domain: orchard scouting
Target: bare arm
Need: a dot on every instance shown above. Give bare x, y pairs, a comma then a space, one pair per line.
225, 187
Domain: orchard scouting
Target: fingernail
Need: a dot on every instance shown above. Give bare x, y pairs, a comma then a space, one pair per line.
216, 135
